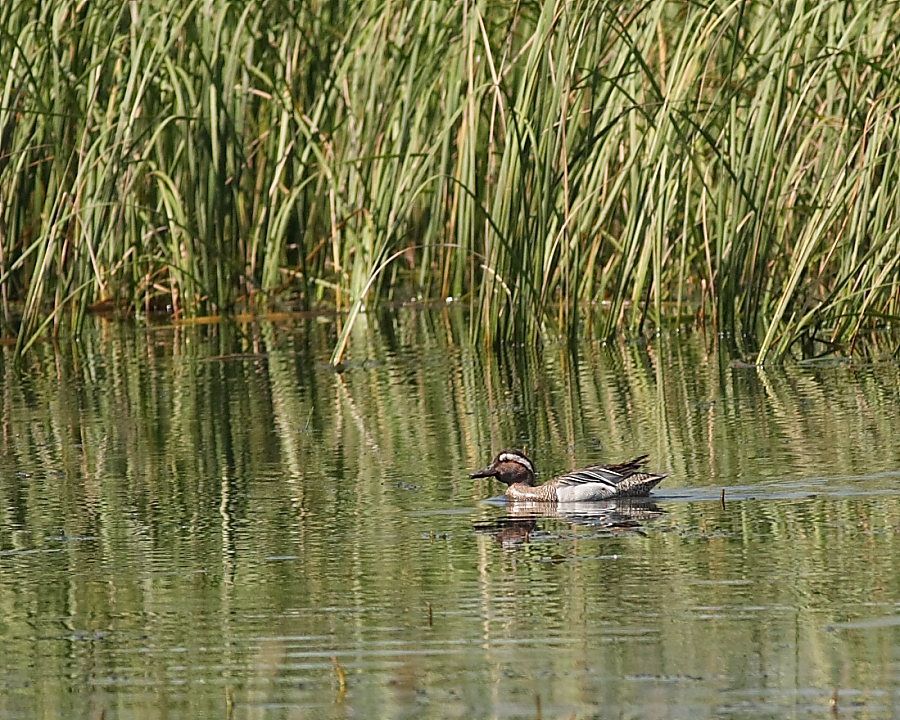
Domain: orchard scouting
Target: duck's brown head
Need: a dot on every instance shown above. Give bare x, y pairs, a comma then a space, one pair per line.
509, 467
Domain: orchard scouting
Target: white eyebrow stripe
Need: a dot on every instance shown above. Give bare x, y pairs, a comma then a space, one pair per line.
514, 457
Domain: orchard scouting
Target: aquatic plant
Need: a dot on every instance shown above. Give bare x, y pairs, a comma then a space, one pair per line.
729, 162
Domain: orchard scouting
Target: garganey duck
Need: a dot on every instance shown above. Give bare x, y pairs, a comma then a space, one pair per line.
597, 482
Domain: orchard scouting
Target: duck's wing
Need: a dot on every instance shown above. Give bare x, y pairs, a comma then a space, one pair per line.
608, 475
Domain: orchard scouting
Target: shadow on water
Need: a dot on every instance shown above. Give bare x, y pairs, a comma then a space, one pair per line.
209, 521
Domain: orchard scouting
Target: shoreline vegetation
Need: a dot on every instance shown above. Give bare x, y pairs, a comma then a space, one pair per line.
731, 162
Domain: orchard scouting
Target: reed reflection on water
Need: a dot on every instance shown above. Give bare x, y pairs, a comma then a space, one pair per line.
210, 522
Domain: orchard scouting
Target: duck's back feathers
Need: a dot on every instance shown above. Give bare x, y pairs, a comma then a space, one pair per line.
611, 475
628, 467
605, 481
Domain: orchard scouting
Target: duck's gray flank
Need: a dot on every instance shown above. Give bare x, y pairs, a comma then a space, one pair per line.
597, 482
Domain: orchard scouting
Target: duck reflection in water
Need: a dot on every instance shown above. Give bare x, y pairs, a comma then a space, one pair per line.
521, 520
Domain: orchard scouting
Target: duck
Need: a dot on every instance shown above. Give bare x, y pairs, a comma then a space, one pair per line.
598, 482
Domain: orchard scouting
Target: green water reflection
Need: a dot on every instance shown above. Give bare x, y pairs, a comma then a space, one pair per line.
209, 522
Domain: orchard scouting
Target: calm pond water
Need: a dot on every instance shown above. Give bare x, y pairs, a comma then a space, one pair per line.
208, 522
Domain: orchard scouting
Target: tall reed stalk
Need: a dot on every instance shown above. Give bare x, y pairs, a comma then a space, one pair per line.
730, 160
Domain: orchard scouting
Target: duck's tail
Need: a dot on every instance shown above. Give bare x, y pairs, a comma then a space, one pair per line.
638, 485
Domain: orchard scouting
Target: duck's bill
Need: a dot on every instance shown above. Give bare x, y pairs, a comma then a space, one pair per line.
484, 472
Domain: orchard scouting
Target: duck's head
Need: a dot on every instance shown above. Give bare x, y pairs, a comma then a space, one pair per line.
509, 467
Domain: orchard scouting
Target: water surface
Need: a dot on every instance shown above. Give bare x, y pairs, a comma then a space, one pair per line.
210, 522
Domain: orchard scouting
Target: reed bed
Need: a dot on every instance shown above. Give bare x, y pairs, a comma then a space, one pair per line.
731, 163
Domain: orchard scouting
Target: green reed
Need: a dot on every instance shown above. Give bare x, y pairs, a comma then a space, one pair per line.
728, 161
